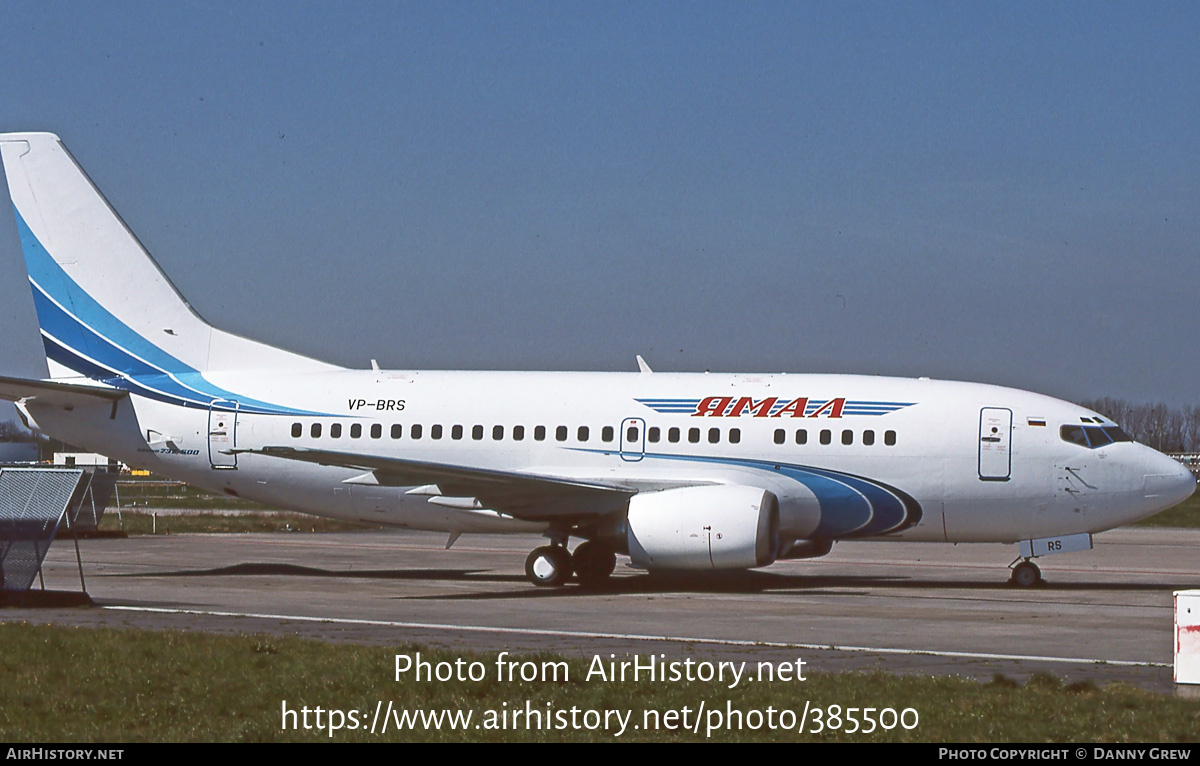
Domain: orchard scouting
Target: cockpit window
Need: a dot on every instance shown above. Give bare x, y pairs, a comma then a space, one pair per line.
1117, 435
1093, 437
1074, 435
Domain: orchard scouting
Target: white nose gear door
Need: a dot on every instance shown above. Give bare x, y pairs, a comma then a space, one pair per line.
995, 444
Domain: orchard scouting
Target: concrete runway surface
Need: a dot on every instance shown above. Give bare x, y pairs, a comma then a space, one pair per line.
1104, 615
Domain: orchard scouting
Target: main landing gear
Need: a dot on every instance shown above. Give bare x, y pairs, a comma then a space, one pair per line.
549, 565
552, 565
1026, 575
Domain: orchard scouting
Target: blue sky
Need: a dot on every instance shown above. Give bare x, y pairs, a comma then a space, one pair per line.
996, 192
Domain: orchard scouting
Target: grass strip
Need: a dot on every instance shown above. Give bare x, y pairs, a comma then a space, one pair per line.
65, 684
1185, 515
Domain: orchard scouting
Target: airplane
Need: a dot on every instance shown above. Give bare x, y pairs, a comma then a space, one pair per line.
677, 471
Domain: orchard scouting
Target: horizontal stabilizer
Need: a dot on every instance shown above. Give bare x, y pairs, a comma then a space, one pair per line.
58, 393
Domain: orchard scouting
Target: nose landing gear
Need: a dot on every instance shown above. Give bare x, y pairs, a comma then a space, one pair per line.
1026, 574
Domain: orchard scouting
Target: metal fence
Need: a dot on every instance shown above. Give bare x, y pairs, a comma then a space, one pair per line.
1190, 459
33, 503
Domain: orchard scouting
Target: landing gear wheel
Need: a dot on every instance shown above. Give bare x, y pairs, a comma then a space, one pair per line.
1026, 575
594, 562
549, 566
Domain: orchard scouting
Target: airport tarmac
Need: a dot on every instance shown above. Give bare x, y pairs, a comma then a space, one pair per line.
1104, 615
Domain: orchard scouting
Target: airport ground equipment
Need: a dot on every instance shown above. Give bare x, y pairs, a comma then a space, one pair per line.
1187, 636
34, 504
101, 487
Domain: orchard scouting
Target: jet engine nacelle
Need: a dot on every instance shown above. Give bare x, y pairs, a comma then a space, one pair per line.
717, 527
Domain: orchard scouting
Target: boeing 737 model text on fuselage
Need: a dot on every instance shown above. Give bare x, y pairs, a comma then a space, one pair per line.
677, 471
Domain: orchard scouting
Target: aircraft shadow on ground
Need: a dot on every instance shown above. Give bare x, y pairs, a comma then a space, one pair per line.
703, 582
271, 569
765, 582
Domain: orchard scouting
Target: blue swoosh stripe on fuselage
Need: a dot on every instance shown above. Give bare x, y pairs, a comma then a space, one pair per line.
890, 510
68, 358
141, 386
61, 325
851, 506
116, 367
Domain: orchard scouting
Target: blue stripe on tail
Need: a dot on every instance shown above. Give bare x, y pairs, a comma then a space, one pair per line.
83, 336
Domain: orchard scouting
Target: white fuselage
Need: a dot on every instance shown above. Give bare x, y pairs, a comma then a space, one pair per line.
934, 441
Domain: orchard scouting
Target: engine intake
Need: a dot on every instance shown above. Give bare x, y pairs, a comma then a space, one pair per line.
716, 527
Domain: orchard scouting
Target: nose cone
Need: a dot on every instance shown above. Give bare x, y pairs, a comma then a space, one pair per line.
1168, 482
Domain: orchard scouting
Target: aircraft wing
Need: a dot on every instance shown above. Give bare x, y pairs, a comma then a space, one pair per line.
53, 392
525, 496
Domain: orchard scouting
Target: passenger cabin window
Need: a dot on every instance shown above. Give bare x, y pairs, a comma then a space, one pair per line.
560, 433
889, 438
801, 436
497, 433
477, 432
297, 430
539, 433
518, 433
847, 437
606, 434
714, 435
826, 436
356, 431
376, 430
868, 438
315, 430
335, 431
397, 431
694, 435
735, 436
435, 432
673, 435
653, 434
456, 432
780, 436
631, 434
583, 433
415, 431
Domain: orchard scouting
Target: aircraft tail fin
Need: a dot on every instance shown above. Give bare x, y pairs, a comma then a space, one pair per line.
106, 310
